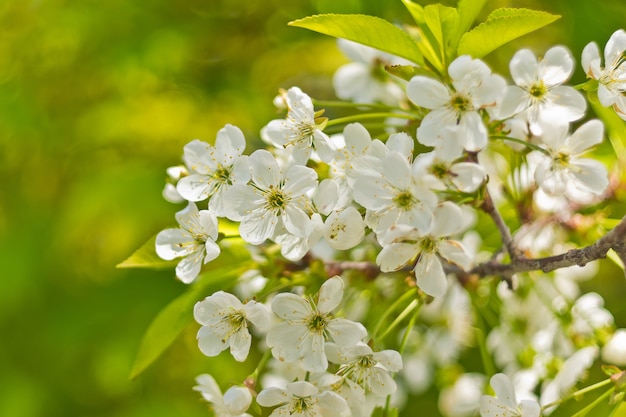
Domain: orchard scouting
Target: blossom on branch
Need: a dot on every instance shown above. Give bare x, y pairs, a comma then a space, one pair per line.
225, 321
612, 77
539, 94
215, 168
303, 399
234, 403
194, 241
306, 326
505, 403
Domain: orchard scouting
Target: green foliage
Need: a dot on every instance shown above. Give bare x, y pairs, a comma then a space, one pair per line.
146, 257
178, 314
502, 26
367, 30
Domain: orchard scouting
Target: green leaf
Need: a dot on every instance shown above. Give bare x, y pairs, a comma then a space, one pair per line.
178, 314
416, 10
406, 72
367, 30
146, 257
502, 26
468, 11
442, 22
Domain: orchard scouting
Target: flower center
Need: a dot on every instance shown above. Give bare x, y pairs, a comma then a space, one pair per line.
404, 200
460, 103
300, 405
439, 170
428, 244
222, 175
562, 159
538, 90
276, 199
366, 361
305, 130
317, 323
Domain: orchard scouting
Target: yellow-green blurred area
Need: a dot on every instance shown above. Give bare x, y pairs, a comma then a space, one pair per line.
97, 99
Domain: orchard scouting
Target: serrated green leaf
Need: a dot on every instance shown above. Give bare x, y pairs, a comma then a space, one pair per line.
146, 257
502, 26
468, 11
178, 314
367, 30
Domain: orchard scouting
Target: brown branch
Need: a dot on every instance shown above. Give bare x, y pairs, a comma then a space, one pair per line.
490, 208
615, 239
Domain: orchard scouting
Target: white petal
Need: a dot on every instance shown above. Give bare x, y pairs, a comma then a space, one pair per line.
390, 359
429, 275
208, 387
210, 343
402, 143
289, 306
586, 136
529, 408
240, 344
313, 357
590, 53
195, 187
272, 396
285, 341
447, 221
258, 226
264, 169
427, 92
296, 221
344, 229
523, 67
514, 101
229, 144
258, 314
454, 252
325, 149
188, 268
503, 387
475, 132
330, 295
326, 196
556, 66
345, 332
467, 176
492, 407
572, 104
591, 175
302, 389
174, 243
237, 400
396, 255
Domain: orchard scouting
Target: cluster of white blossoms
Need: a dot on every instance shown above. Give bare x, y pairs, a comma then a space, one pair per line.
407, 201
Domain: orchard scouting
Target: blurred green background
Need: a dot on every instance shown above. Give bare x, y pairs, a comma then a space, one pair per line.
97, 99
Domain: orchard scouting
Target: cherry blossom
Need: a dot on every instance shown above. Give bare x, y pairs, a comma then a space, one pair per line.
307, 325
303, 399
505, 403
225, 321
194, 241
234, 403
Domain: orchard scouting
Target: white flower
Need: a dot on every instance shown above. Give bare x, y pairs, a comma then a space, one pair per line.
194, 240
462, 176
299, 129
225, 322
306, 326
303, 399
234, 403
215, 168
571, 371
462, 398
274, 199
505, 403
344, 229
611, 78
473, 88
397, 195
174, 174
614, 352
404, 243
365, 367
539, 93
563, 166
365, 80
